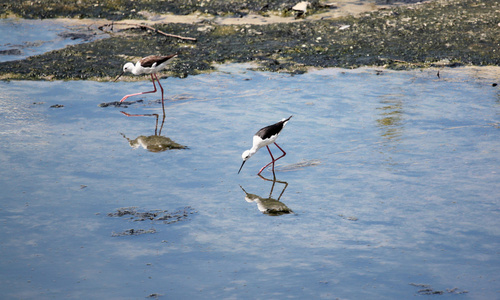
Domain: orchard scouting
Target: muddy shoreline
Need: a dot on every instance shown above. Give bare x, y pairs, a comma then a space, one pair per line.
430, 34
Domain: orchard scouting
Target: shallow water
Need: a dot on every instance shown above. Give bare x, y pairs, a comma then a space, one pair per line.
392, 178
22, 38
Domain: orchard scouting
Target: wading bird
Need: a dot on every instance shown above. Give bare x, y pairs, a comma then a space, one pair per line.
148, 65
265, 137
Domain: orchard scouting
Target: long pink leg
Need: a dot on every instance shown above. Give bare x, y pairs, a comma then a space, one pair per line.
123, 99
284, 153
162, 103
273, 160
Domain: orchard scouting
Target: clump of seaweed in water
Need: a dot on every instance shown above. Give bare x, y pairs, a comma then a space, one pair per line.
163, 216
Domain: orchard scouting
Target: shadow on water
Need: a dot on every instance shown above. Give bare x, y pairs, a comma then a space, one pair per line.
153, 143
269, 205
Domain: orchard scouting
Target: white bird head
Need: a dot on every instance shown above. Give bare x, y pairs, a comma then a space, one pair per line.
128, 67
245, 156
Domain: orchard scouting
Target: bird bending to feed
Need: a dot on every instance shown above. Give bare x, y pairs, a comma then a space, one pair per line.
148, 65
264, 137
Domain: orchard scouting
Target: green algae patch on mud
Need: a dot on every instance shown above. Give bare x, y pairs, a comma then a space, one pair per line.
403, 37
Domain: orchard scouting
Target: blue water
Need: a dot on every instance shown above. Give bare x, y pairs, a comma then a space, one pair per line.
393, 180
33, 37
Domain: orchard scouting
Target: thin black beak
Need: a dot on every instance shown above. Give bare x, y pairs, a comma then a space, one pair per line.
118, 76
241, 166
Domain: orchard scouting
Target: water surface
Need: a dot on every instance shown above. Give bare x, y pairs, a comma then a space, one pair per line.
22, 38
392, 178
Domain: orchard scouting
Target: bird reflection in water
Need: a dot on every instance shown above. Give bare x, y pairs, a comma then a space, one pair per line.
269, 206
153, 143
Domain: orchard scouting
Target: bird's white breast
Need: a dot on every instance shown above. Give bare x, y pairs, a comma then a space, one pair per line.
257, 140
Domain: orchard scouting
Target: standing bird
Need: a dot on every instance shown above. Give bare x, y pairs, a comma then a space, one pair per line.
148, 65
265, 137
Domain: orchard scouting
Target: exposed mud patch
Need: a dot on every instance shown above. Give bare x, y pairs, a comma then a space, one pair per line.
438, 33
119, 10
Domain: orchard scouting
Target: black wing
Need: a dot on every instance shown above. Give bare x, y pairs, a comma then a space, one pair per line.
149, 61
271, 130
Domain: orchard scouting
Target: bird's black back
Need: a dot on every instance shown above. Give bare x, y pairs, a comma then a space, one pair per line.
149, 61
271, 130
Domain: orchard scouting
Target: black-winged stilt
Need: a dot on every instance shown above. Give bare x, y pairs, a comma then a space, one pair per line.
265, 137
151, 64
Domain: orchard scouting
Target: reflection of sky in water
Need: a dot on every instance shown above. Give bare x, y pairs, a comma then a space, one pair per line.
379, 212
33, 37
